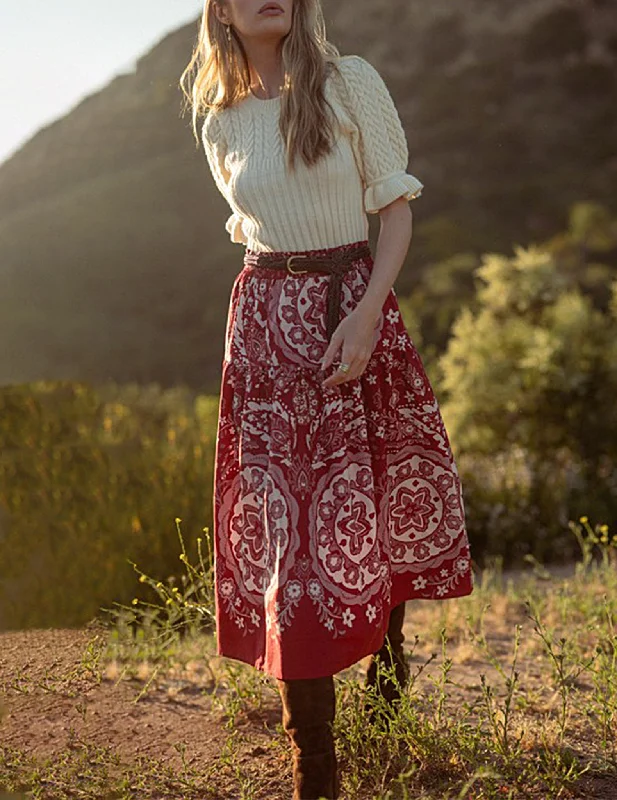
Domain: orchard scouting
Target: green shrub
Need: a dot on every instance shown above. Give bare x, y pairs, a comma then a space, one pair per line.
530, 376
91, 479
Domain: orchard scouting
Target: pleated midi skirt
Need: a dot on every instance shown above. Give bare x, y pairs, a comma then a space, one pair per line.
330, 505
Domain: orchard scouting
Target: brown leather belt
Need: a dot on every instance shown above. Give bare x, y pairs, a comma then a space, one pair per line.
337, 264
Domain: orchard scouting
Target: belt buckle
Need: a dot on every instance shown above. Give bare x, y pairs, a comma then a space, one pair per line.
295, 271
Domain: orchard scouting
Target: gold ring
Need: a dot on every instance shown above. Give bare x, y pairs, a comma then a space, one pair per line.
344, 367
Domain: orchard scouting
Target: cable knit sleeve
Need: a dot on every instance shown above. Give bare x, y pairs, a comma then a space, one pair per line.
215, 148
383, 150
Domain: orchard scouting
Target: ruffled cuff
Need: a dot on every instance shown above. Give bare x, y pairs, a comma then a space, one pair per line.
384, 191
233, 226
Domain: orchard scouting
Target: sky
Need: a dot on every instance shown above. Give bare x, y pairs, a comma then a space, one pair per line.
53, 52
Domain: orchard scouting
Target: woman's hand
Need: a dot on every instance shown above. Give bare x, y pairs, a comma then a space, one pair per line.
358, 335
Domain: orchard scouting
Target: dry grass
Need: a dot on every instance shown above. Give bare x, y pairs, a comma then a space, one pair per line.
513, 695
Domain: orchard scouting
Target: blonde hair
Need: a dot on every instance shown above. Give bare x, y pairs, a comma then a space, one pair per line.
222, 78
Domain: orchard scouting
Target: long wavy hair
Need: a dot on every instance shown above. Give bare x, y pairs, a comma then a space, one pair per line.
222, 78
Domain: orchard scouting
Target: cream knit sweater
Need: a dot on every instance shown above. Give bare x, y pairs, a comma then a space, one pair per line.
324, 205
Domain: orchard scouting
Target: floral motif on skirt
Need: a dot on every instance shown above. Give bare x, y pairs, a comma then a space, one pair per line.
331, 505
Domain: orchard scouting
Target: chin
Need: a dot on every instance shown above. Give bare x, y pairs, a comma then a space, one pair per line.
280, 30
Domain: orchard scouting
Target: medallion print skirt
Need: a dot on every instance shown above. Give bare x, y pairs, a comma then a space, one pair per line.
331, 505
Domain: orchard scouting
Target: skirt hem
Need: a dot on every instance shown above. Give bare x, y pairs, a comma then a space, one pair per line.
338, 665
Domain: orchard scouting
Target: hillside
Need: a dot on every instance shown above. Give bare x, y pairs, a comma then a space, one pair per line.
114, 262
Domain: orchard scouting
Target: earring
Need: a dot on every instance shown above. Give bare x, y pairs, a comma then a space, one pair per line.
229, 33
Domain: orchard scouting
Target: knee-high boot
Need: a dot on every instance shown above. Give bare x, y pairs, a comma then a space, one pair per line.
394, 635
308, 716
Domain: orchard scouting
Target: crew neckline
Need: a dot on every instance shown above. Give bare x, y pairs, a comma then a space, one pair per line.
264, 99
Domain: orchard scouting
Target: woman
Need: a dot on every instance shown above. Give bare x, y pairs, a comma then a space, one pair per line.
336, 495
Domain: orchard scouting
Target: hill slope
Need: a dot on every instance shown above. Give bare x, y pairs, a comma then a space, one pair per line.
113, 258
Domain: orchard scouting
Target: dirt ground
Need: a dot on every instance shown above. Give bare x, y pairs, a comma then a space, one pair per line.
49, 704
105, 714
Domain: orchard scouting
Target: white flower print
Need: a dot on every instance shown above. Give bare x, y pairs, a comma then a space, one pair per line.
292, 593
462, 564
442, 589
348, 617
419, 583
371, 612
315, 589
237, 611
293, 590
371, 379
392, 315
329, 623
443, 573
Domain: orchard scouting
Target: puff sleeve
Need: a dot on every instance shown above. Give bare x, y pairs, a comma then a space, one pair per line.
382, 144
215, 148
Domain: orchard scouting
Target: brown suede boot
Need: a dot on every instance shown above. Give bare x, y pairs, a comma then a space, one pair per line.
308, 715
385, 686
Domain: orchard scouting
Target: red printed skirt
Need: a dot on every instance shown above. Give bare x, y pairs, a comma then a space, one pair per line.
331, 505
